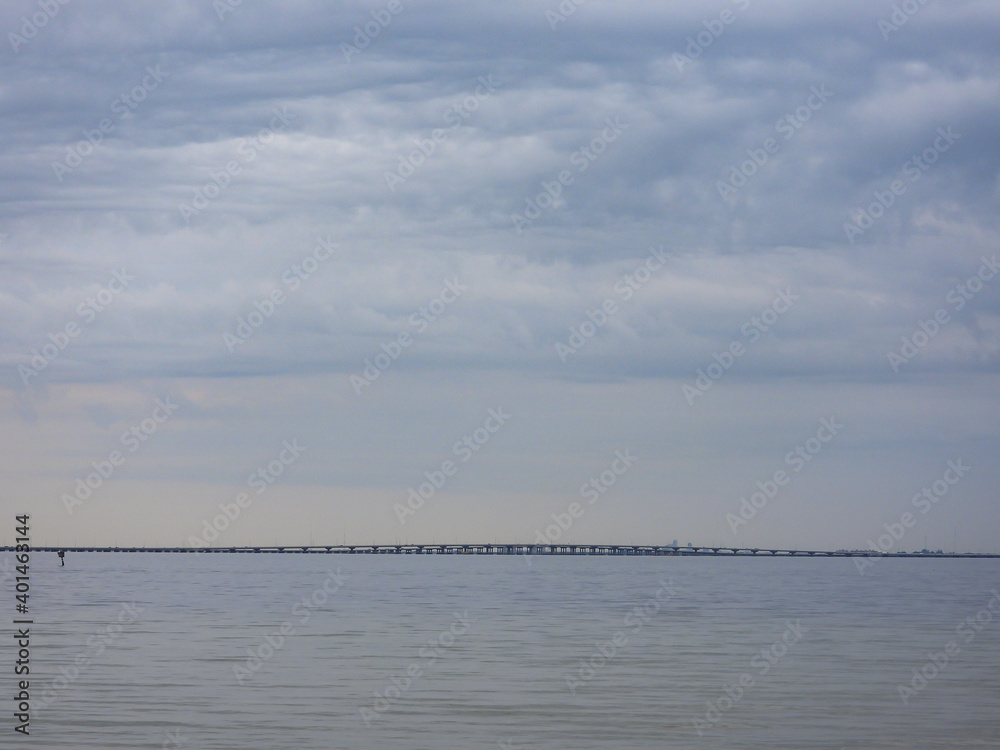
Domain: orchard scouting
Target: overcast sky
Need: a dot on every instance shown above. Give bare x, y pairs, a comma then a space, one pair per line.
683, 233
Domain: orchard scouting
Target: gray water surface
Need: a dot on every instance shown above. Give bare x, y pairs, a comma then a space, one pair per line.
151, 651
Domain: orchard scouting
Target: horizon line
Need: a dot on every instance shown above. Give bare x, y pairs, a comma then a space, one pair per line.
521, 549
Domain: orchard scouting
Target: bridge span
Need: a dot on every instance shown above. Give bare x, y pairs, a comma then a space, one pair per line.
625, 550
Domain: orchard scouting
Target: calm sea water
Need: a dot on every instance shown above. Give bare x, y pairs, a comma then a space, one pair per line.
186, 651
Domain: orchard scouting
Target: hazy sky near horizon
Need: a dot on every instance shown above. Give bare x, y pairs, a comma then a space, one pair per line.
684, 233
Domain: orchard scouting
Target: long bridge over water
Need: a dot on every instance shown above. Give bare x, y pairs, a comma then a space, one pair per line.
625, 550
